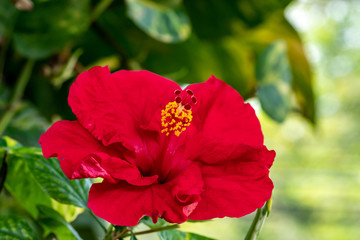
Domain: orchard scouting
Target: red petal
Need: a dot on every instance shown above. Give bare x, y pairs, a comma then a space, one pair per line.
72, 144
114, 106
120, 169
124, 204
237, 187
82, 156
221, 121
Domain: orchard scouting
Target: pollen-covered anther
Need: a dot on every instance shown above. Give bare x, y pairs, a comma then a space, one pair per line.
175, 118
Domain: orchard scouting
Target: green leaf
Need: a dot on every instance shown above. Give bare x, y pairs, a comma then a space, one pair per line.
148, 222
53, 220
50, 26
172, 234
133, 237
14, 228
277, 27
195, 61
273, 73
7, 16
193, 236
23, 186
27, 125
9, 143
302, 80
52, 179
162, 22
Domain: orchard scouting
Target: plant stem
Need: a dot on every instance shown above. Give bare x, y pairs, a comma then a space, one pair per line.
99, 9
17, 95
153, 230
98, 221
258, 222
108, 235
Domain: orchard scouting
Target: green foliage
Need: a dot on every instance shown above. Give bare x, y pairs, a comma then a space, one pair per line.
165, 23
7, 15
171, 234
52, 179
24, 184
248, 44
53, 220
274, 76
15, 228
35, 37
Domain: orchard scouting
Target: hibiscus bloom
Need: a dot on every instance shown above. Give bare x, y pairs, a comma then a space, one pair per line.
162, 151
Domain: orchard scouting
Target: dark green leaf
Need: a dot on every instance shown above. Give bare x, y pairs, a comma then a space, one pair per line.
164, 23
273, 73
27, 125
226, 59
14, 228
52, 219
52, 179
7, 16
3, 167
213, 19
37, 38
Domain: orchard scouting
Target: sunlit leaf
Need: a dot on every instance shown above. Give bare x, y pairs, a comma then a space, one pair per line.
274, 76
15, 228
164, 23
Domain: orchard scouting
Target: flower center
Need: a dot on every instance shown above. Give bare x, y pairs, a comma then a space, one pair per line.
177, 115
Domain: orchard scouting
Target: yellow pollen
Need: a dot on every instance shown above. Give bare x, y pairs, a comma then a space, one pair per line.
175, 118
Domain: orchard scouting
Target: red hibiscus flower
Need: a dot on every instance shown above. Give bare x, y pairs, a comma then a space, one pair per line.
162, 151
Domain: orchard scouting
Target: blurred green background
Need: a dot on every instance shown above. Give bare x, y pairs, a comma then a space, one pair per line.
296, 62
